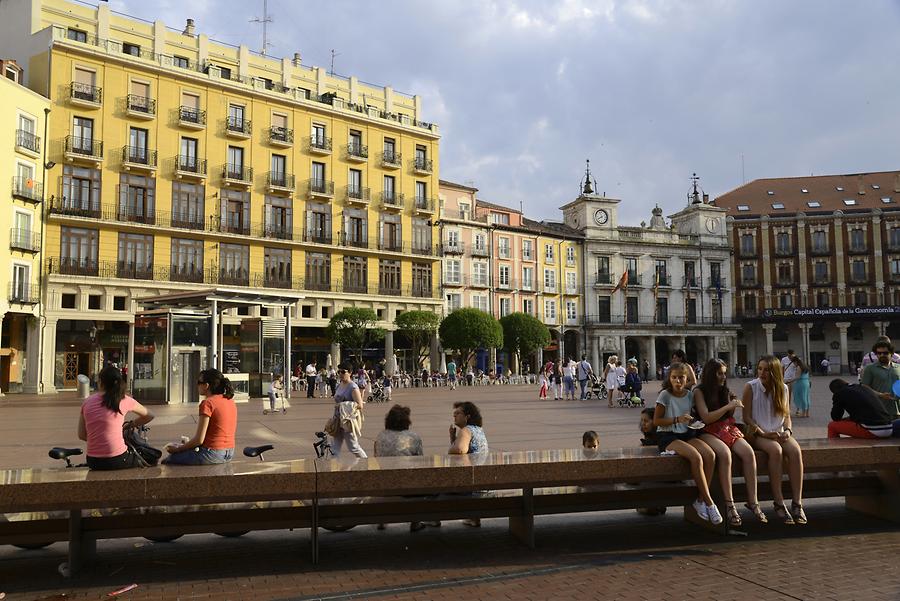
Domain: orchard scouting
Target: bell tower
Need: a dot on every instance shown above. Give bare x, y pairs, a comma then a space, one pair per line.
591, 211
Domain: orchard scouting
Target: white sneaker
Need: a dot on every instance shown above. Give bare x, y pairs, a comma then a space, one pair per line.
700, 507
713, 512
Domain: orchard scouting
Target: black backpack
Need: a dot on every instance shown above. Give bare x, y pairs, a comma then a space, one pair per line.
136, 440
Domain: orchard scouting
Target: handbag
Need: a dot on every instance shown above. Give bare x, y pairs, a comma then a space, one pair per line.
332, 426
136, 441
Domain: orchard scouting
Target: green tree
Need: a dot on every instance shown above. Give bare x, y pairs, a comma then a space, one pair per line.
354, 329
466, 330
523, 334
419, 327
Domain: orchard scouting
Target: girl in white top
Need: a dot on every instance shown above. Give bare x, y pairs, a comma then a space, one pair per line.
612, 381
767, 414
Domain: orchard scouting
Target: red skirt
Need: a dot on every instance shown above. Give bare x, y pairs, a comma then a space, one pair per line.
725, 430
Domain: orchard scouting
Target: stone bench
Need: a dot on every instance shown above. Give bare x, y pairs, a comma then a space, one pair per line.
79, 506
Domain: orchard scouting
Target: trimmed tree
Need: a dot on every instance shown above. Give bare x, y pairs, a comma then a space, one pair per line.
523, 334
466, 330
354, 329
419, 327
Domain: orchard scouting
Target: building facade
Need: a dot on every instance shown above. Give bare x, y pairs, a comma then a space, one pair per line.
654, 288
184, 163
22, 114
817, 261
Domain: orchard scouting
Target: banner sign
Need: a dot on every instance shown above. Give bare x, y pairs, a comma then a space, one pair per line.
833, 313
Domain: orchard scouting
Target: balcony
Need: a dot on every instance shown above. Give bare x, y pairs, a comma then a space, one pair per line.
657, 320
25, 188
137, 158
24, 240
321, 188
354, 241
23, 293
85, 95
390, 245
191, 118
784, 251
424, 206
356, 196
190, 167
140, 107
357, 153
185, 220
422, 166
317, 237
237, 175
690, 282
320, 285
280, 183
716, 282
278, 231
748, 252
319, 145
85, 150
231, 224
664, 279
527, 286
858, 249
819, 250
28, 143
479, 282
425, 249
131, 213
391, 159
388, 290
74, 207
454, 247
422, 290
479, 250
281, 136
391, 201
273, 280
131, 270
634, 279
237, 127
234, 277
73, 266
453, 280
352, 287
188, 273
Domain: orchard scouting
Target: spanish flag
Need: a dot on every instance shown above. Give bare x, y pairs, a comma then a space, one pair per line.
623, 282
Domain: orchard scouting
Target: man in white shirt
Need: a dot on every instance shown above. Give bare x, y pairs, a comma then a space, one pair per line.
786, 360
583, 371
311, 373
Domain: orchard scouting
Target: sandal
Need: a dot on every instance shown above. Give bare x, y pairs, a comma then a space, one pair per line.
798, 514
757, 512
734, 517
783, 514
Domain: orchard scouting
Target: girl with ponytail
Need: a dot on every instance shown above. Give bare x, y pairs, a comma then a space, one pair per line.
213, 442
101, 421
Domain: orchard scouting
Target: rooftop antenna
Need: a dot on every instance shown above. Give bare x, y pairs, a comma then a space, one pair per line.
333, 54
266, 19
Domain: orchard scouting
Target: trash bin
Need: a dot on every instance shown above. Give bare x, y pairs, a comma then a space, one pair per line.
84, 386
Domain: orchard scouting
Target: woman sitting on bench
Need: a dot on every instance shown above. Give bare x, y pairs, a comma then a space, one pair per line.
213, 442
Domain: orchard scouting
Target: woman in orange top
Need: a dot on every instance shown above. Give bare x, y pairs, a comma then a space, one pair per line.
214, 440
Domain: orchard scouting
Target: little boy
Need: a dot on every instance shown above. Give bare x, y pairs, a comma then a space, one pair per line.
590, 440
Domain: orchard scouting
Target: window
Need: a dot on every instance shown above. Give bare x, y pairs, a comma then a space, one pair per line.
603, 309
743, 208
479, 274
504, 276
749, 303
67, 301
76, 35
858, 271
785, 273
453, 242
187, 205
571, 311
84, 86
849, 202
819, 241
277, 266
267, 83
119, 303
189, 110
823, 301
421, 192
355, 147
894, 237
783, 243
356, 275
603, 276
318, 223
278, 218
187, 160
691, 310
503, 248
820, 272
748, 245
528, 306
278, 168
22, 232
317, 175
528, 278
354, 183
235, 167
505, 306
480, 302
777, 205
78, 250
21, 283
421, 158
81, 191
135, 256
454, 301
571, 282
421, 231
748, 274
570, 255
137, 146
235, 212
187, 260
895, 269
137, 199
422, 282
715, 275
631, 309
689, 277
813, 204
548, 253
549, 280
182, 62
660, 274
132, 49
390, 151
83, 136
318, 138
662, 310
500, 218
389, 277
318, 271
453, 271
356, 228
785, 301
860, 298
389, 189
140, 97
857, 239
631, 267
391, 233
481, 243
527, 250
550, 310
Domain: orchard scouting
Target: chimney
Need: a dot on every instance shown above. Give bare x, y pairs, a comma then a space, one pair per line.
860, 186
296, 60
705, 198
189, 28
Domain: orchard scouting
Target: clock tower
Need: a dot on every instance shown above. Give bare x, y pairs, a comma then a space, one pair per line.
591, 212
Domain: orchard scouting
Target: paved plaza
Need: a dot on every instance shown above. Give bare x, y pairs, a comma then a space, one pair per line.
610, 555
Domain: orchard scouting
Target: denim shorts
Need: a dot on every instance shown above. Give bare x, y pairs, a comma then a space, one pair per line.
200, 456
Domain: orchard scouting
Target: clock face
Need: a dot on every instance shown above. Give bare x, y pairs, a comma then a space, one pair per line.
712, 225
601, 217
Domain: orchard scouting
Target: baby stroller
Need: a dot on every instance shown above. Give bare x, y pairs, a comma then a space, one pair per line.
377, 393
631, 394
597, 389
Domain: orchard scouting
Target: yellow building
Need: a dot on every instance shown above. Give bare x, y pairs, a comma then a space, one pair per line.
185, 163
22, 115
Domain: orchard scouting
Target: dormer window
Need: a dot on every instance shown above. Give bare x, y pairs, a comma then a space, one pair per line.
805, 191
849, 202
743, 208
771, 193
814, 204
777, 205
839, 188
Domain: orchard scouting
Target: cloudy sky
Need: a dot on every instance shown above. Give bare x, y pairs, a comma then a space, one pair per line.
649, 90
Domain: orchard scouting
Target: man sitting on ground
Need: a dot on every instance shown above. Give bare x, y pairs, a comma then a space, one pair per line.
867, 416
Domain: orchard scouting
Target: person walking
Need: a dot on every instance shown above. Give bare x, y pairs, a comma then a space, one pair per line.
880, 377
451, 374
800, 390
569, 379
276, 392
311, 373
584, 371
349, 403
609, 375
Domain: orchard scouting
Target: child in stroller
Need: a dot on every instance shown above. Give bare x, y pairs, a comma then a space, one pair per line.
376, 394
631, 389
597, 388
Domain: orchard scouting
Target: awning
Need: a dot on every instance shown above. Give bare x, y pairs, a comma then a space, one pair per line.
225, 298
